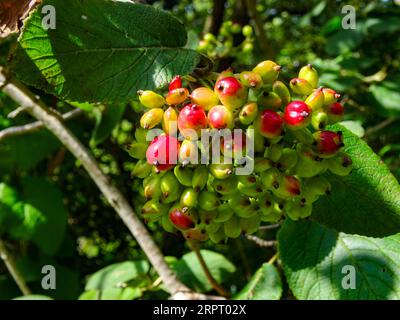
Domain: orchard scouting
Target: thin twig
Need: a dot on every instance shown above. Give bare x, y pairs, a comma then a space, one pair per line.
382, 125
34, 126
206, 270
261, 242
12, 268
37, 109
270, 226
273, 258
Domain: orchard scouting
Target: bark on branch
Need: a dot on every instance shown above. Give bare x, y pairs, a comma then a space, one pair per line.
34, 126
52, 122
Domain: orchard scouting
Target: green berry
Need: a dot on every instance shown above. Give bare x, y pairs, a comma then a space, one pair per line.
184, 175
232, 227
341, 164
200, 177
208, 200
247, 31
189, 198
309, 73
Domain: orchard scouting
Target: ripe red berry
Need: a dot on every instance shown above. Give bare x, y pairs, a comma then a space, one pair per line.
191, 117
163, 152
181, 219
175, 83
297, 115
336, 108
328, 143
220, 117
269, 124
231, 92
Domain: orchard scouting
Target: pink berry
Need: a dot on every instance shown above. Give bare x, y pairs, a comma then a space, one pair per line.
191, 118
269, 124
231, 92
163, 152
220, 117
297, 115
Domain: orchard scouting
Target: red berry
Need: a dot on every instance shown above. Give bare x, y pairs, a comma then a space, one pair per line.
328, 142
220, 117
291, 184
231, 92
191, 117
297, 115
175, 83
181, 219
336, 108
269, 124
163, 152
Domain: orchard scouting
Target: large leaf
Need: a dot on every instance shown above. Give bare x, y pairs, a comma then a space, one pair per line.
387, 94
17, 218
117, 275
366, 202
47, 198
314, 258
102, 51
344, 41
264, 285
190, 272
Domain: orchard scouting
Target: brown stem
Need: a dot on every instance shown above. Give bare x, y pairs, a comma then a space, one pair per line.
12, 268
35, 126
221, 291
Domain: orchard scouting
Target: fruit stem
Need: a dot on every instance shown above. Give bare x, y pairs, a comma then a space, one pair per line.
12, 268
273, 258
221, 291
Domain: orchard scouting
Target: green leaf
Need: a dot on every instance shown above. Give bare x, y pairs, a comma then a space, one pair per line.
33, 297
29, 220
128, 293
190, 272
313, 258
264, 285
344, 41
366, 202
106, 121
47, 198
387, 94
102, 51
17, 218
387, 25
340, 83
117, 274
354, 126
25, 152
332, 25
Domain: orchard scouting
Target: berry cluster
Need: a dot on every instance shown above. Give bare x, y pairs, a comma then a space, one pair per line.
290, 151
222, 45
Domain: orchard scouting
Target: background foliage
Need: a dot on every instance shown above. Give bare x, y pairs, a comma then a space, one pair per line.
52, 213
